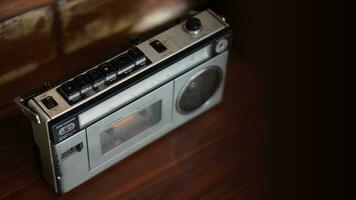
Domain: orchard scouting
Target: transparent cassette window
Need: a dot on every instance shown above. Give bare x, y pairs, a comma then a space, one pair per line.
126, 128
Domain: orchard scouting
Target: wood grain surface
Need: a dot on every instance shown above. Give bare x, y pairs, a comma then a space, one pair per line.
215, 156
225, 153
11, 8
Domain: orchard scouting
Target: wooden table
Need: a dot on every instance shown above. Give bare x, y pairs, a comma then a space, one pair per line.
218, 155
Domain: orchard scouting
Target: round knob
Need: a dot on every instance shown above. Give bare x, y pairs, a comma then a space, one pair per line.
221, 45
193, 25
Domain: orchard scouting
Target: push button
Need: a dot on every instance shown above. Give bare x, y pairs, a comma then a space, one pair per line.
193, 25
123, 63
70, 91
79, 147
95, 76
137, 55
83, 83
49, 102
108, 71
158, 46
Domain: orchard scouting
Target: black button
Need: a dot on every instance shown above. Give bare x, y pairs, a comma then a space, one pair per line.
123, 63
158, 46
79, 147
70, 90
193, 25
83, 83
137, 55
108, 71
95, 76
49, 102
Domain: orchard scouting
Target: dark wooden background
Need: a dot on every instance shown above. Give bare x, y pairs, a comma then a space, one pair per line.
261, 142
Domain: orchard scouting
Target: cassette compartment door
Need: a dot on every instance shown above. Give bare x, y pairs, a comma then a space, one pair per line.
114, 137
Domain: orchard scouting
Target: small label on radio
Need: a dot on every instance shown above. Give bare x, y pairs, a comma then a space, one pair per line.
65, 129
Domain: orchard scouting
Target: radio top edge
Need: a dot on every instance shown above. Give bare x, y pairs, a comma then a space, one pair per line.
120, 71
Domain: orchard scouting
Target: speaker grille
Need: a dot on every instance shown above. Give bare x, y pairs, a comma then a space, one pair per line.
199, 89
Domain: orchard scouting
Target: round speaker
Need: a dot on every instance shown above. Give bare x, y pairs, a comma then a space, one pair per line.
198, 90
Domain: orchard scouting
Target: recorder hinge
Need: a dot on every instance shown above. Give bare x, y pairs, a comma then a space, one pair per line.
27, 111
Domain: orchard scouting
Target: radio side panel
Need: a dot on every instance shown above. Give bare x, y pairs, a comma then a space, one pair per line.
72, 158
42, 140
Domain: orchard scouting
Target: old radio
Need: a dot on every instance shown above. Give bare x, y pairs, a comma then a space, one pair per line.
95, 118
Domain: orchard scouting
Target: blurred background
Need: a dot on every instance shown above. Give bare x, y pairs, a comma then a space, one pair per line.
278, 41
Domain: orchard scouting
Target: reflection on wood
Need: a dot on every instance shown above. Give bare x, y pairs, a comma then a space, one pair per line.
26, 39
155, 12
11, 8
15, 74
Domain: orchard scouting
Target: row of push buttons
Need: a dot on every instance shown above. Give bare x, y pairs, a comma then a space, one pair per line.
105, 74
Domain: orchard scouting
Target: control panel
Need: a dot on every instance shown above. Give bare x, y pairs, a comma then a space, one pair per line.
96, 79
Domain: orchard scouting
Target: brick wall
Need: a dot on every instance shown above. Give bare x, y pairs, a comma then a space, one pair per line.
42, 40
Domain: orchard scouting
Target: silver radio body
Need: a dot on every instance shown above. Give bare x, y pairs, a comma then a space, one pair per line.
89, 122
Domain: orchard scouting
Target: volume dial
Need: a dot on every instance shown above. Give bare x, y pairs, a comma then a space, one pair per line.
193, 25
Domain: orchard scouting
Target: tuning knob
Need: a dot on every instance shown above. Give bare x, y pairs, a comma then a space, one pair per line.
193, 25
